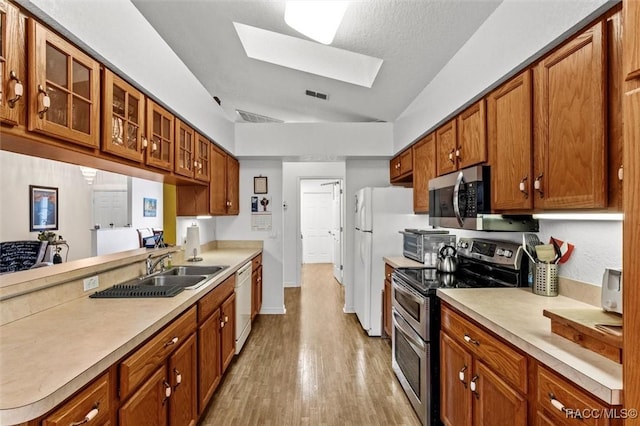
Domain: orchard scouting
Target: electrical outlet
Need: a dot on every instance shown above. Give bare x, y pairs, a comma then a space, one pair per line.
91, 283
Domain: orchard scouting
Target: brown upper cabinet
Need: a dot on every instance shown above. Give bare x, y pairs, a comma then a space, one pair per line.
570, 124
631, 65
615, 90
401, 167
12, 64
64, 88
185, 149
509, 129
160, 136
424, 168
123, 118
462, 142
224, 185
203, 154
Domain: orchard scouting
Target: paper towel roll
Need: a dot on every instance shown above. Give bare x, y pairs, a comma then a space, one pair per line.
192, 247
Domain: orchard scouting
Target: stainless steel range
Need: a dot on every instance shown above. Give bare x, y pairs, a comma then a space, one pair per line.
416, 313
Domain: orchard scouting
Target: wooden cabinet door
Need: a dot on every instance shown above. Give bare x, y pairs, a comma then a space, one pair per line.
394, 168
233, 186
96, 397
446, 142
386, 308
160, 136
424, 168
192, 200
406, 161
218, 183
495, 403
570, 124
259, 291
64, 93
185, 142
255, 297
614, 118
202, 166
183, 370
209, 364
148, 405
122, 117
228, 333
631, 64
472, 136
455, 376
12, 64
510, 144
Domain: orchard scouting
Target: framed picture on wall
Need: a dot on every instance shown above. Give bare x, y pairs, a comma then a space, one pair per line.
43, 208
260, 185
149, 207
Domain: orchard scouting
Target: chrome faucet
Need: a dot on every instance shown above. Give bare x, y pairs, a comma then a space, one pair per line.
152, 264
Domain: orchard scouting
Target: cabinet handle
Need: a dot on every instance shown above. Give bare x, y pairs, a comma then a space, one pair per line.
473, 386
560, 406
18, 89
145, 142
461, 376
226, 319
167, 391
620, 173
178, 378
468, 339
171, 342
46, 101
222, 324
90, 416
458, 152
154, 146
523, 187
451, 156
537, 185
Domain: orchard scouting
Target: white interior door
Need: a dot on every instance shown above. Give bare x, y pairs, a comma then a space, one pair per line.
316, 225
336, 231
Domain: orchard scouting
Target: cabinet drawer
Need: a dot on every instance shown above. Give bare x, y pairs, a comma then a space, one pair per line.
256, 262
137, 367
566, 403
388, 270
94, 397
510, 364
209, 303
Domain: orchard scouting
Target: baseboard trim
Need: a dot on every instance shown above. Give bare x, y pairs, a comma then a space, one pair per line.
286, 285
273, 311
348, 310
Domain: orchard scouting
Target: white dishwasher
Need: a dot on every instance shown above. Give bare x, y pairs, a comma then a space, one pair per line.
243, 305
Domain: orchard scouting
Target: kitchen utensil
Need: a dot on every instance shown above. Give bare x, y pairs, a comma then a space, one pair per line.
556, 247
532, 241
447, 261
524, 248
545, 253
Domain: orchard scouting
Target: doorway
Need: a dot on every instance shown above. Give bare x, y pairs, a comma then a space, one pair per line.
321, 223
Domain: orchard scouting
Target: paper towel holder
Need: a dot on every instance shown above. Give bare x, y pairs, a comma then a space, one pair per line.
193, 243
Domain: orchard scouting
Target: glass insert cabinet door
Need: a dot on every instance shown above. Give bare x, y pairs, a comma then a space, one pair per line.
123, 118
12, 67
65, 88
160, 136
185, 143
202, 158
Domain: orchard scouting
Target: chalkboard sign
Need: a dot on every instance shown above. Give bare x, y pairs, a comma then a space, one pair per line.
21, 255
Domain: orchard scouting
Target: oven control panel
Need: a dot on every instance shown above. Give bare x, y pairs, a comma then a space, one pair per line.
504, 253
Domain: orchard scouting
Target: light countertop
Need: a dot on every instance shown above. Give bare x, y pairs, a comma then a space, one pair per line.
402, 262
48, 356
516, 316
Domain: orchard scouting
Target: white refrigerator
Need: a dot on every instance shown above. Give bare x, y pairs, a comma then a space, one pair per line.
379, 214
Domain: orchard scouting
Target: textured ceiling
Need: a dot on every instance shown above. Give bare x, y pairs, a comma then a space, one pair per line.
415, 38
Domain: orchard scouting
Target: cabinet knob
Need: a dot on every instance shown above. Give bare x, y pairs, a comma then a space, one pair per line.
523, 187
145, 142
474, 386
221, 324
458, 152
461, 376
171, 342
537, 185
178, 378
18, 89
90, 416
468, 339
167, 391
620, 173
46, 101
154, 146
451, 156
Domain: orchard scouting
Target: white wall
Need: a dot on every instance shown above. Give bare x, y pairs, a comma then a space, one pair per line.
292, 173
314, 141
17, 172
141, 189
207, 229
239, 228
117, 32
515, 32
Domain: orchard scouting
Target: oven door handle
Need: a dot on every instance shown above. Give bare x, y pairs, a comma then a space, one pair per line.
411, 336
456, 202
400, 288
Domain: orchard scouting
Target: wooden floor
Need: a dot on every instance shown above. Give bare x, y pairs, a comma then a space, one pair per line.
313, 366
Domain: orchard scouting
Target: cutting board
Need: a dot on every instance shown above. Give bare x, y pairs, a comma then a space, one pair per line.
591, 328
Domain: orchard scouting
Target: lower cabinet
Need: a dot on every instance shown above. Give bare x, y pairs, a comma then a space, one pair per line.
228, 333
148, 405
256, 286
386, 300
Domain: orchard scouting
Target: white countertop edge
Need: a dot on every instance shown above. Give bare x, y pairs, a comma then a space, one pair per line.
569, 358
32, 410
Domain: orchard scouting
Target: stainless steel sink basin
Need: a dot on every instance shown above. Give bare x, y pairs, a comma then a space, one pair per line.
186, 281
193, 270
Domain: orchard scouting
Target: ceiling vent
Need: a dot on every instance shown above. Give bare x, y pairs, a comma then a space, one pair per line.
251, 117
318, 95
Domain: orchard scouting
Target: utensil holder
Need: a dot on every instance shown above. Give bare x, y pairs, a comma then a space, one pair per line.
545, 279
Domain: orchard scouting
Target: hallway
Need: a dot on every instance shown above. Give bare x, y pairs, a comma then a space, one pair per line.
312, 366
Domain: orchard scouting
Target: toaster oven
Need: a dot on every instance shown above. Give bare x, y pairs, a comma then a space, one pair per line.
423, 245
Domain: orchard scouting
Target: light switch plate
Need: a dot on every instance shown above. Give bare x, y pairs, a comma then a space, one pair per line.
91, 283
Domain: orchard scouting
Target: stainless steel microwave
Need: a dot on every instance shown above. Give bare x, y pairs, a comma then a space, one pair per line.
462, 200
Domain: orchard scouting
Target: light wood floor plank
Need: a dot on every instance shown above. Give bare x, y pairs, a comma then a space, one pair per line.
312, 366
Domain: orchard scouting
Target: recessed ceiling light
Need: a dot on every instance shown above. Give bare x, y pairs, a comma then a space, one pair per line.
318, 20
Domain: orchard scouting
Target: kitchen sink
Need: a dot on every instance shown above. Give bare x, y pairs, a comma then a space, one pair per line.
193, 270
185, 281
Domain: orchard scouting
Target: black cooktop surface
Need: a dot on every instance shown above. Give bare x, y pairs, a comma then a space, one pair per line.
428, 280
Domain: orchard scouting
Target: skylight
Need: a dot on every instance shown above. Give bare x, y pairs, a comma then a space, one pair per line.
318, 20
307, 56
